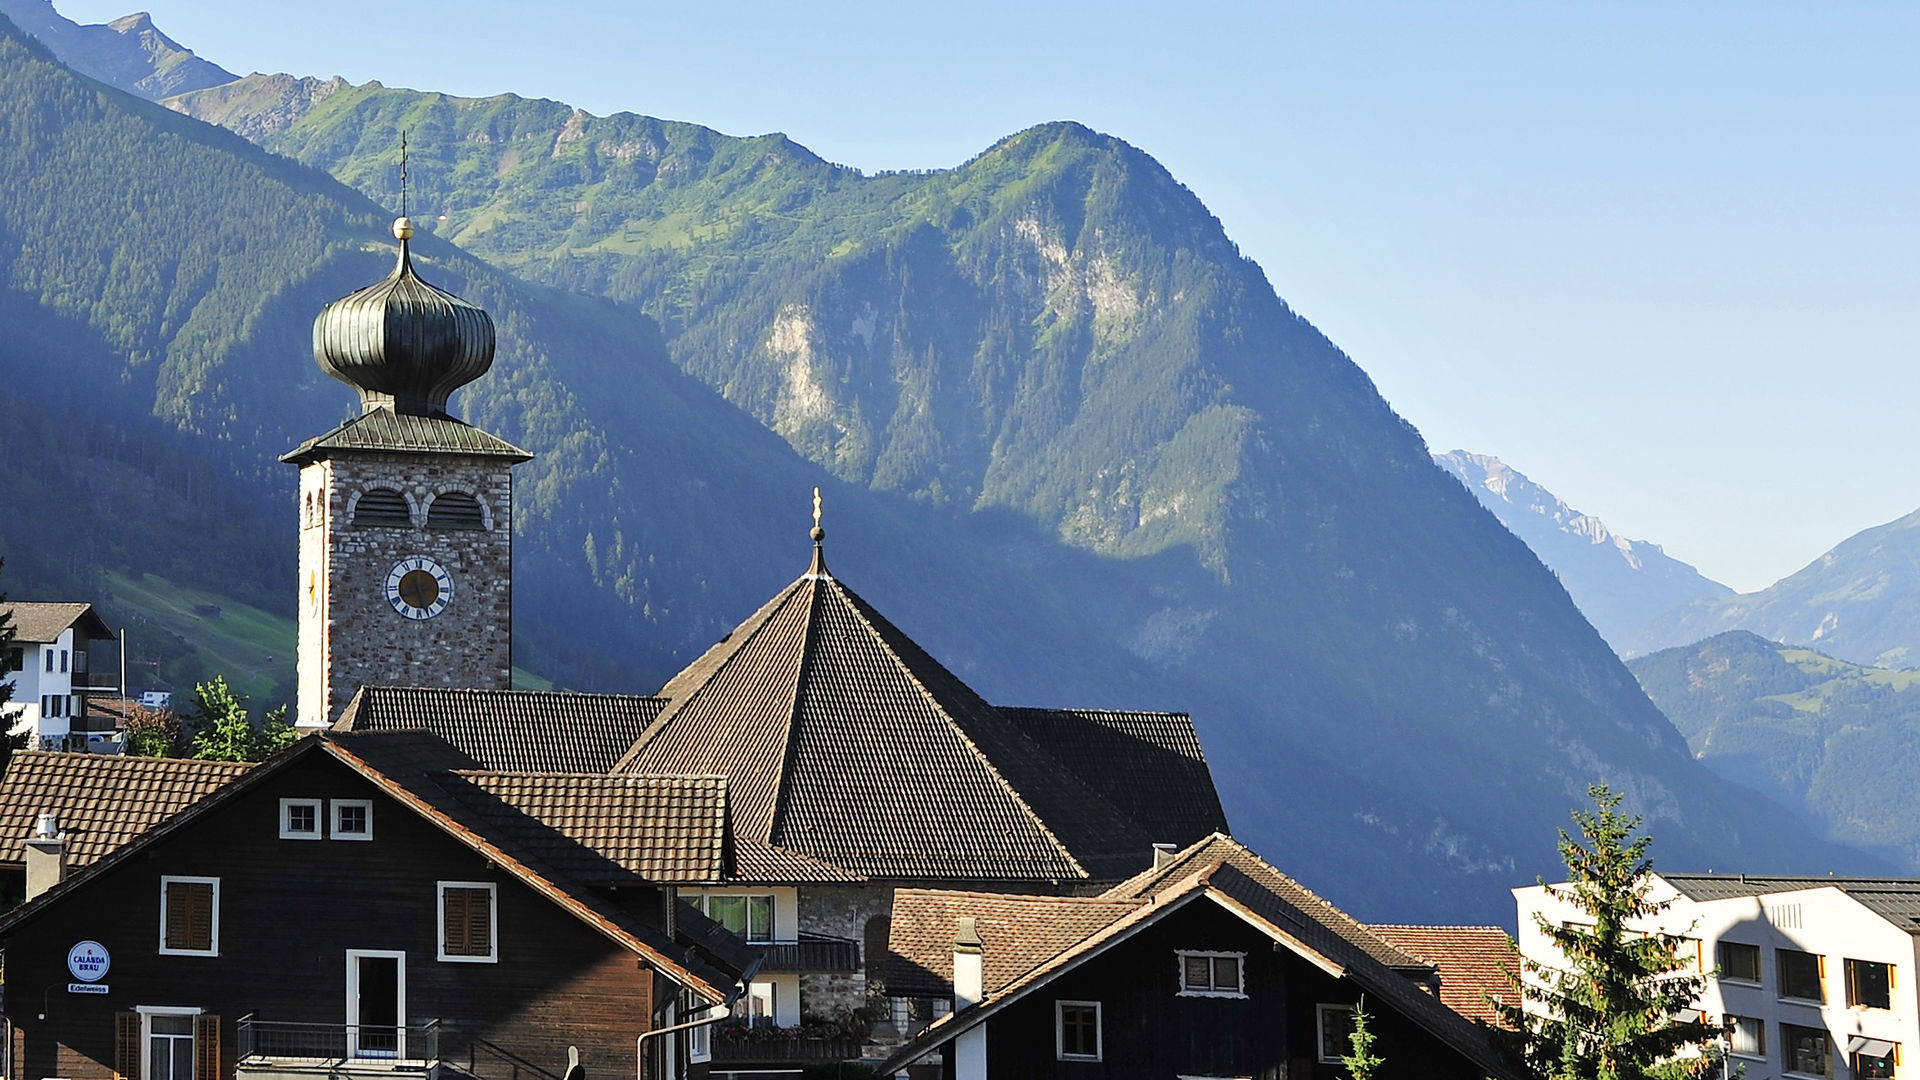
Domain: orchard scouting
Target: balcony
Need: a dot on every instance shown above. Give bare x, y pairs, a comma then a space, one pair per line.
811, 954
735, 1047
284, 1050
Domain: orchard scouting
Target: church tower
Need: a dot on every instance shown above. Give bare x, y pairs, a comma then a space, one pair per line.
406, 513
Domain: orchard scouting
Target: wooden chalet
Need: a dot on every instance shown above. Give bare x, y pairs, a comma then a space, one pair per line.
855, 764
359, 905
1213, 964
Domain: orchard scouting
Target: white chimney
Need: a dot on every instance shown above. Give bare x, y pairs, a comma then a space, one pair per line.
969, 988
1163, 854
46, 855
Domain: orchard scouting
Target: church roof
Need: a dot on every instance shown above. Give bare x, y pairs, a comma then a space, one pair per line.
383, 430
845, 741
529, 730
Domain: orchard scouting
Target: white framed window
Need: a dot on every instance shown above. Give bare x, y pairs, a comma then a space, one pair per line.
190, 916
1212, 974
749, 915
352, 819
759, 1004
700, 1043
299, 819
1747, 1036
166, 1042
1076, 1031
469, 930
1336, 1032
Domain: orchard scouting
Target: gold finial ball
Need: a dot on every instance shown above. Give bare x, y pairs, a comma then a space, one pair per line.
817, 533
403, 228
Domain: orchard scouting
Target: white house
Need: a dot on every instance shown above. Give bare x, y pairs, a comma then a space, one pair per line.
1816, 975
49, 667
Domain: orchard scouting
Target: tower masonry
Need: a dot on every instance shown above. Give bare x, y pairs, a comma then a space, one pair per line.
406, 513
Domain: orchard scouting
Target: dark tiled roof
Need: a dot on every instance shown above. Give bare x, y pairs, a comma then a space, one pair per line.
1896, 900
385, 430
37, 624
104, 800
1316, 917
1148, 764
847, 742
760, 863
1020, 933
1221, 870
517, 730
661, 828
1473, 962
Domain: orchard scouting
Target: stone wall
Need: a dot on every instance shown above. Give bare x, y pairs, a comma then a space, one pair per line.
350, 634
842, 911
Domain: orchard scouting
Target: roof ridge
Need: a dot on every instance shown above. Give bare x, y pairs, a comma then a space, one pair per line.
1430, 926
728, 648
854, 604
1021, 897
477, 691
609, 777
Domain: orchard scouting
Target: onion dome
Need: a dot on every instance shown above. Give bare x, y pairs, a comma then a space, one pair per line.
403, 344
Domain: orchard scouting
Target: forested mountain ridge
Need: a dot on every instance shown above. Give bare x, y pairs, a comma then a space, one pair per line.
1837, 741
1859, 602
1621, 585
1105, 465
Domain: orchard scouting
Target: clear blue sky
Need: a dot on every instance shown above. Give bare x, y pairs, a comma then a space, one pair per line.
1660, 257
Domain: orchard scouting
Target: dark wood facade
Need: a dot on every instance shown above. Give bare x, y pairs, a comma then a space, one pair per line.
1148, 1029
289, 912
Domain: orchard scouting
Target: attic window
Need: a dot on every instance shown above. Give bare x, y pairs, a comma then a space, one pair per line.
1212, 974
382, 506
455, 510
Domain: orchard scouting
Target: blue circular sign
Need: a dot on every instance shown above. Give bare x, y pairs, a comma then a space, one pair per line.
88, 961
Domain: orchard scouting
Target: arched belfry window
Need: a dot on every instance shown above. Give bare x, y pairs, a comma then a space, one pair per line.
382, 506
455, 510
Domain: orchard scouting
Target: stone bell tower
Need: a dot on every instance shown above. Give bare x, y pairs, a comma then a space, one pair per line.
406, 513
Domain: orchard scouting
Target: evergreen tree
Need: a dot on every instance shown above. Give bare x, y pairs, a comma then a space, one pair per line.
1361, 1062
1612, 1009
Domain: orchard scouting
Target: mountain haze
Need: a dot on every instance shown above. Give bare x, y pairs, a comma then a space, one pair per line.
1838, 741
130, 53
1859, 602
1070, 440
1621, 585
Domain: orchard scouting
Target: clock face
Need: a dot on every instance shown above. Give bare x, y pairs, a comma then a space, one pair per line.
418, 587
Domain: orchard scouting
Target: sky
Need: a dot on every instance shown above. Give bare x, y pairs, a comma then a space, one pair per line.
1660, 257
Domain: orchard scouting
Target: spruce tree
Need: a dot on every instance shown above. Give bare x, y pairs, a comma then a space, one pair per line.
1361, 1062
1613, 1007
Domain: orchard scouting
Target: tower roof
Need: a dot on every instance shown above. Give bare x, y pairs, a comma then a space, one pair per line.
403, 344
843, 740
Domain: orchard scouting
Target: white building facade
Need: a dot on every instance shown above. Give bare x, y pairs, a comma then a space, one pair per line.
50, 667
1817, 977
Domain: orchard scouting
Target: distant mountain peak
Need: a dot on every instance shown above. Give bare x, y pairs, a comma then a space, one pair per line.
1620, 585
129, 53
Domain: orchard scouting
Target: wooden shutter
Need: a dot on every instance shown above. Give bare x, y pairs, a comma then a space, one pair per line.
206, 1047
468, 918
126, 1045
190, 915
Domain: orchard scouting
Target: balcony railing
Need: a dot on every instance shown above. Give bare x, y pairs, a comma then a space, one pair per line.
408, 1048
736, 1049
811, 954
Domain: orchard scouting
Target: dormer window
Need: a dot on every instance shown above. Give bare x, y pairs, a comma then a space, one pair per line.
455, 510
382, 506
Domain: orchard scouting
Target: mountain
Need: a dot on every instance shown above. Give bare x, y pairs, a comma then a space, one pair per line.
1620, 585
1071, 441
1859, 602
1838, 741
130, 53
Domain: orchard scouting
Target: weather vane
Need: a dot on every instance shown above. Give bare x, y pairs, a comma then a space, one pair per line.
819, 533
403, 174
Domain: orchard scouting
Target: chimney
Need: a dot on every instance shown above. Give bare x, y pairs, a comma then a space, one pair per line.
969, 987
46, 855
1163, 854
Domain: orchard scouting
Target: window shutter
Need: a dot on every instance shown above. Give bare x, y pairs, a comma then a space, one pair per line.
453, 918
179, 919
479, 923
126, 1045
206, 1047
200, 915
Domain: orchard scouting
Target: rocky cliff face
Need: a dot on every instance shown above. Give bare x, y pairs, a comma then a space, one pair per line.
129, 53
1620, 585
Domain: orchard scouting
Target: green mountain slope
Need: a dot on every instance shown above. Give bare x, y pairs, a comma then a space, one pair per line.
1859, 602
1839, 741
1070, 439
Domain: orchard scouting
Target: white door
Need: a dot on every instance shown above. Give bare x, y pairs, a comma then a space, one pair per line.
376, 1004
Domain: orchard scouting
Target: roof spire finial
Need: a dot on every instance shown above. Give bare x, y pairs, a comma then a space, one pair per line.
403, 225
819, 535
